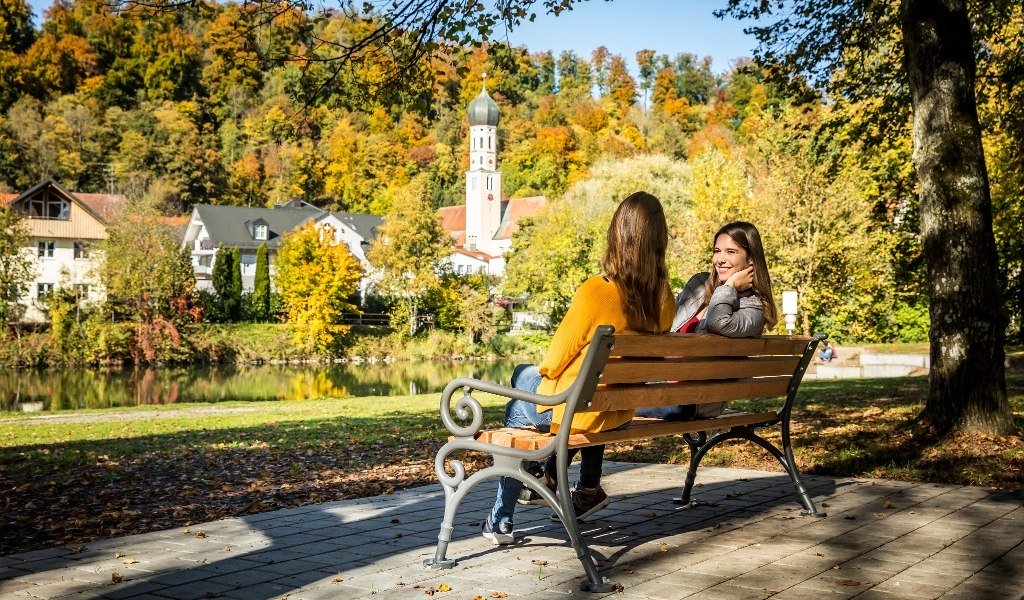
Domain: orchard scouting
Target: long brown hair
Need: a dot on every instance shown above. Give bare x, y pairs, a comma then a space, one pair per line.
747, 237
635, 259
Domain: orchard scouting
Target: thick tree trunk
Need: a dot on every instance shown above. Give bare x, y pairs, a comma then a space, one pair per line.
967, 385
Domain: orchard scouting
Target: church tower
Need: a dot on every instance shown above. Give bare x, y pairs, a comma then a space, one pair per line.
483, 181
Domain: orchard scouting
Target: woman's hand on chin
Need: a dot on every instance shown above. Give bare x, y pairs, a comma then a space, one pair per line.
741, 280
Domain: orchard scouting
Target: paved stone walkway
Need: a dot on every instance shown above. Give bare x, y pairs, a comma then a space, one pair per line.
881, 539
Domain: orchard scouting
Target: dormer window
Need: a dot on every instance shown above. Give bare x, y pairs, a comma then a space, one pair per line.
46, 206
258, 229
260, 232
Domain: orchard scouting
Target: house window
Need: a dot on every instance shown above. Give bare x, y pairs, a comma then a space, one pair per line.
43, 290
45, 207
206, 260
81, 250
261, 232
46, 249
81, 290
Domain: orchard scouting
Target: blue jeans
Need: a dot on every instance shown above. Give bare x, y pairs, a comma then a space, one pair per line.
524, 414
683, 412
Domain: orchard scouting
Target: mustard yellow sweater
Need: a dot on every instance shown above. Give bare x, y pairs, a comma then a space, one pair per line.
597, 302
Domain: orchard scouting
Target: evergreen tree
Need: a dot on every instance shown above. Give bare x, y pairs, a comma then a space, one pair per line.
261, 285
222, 268
236, 285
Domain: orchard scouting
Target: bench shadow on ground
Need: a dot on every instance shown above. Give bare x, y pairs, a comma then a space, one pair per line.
375, 542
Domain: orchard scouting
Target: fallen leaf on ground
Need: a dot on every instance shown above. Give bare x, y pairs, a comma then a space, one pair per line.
430, 591
818, 554
444, 587
499, 595
848, 582
200, 535
119, 555
129, 561
663, 548
76, 549
542, 563
116, 577
186, 532
888, 505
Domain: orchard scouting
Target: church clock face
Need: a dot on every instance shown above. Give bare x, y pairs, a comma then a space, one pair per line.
490, 161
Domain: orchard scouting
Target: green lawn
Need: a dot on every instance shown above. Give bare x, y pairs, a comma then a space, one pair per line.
82, 475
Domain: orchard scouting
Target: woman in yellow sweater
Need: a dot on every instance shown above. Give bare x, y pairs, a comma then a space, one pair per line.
632, 295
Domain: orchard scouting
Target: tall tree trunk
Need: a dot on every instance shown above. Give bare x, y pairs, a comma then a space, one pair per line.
967, 384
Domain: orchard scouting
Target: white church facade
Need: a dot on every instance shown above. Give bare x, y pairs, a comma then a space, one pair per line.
482, 228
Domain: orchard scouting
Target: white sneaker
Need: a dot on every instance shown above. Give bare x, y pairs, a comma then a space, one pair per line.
500, 535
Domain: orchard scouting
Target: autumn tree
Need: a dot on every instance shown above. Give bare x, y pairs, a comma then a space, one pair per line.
16, 267
316, 275
408, 251
967, 385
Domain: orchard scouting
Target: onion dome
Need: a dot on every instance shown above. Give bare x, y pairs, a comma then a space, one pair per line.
483, 110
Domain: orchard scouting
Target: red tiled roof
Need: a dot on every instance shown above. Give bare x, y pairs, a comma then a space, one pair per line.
473, 254
515, 209
108, 206
453, 220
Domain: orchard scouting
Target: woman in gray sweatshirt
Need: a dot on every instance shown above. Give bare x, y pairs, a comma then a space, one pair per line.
734, 300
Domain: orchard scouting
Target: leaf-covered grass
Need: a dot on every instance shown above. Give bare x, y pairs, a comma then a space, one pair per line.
92, 474
83, 475
868, 428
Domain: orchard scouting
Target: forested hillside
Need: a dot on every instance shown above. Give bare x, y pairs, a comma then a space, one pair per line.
219, 104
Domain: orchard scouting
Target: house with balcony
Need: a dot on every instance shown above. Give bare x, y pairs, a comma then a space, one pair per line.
246, 228
64, 230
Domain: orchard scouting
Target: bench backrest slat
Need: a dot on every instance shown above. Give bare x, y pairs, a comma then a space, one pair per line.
618, 397
641, 370
704, 344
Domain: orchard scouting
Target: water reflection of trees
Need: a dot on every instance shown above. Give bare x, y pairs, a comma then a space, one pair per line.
64, 389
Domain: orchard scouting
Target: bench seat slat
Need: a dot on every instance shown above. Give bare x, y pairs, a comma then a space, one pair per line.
619, 397
623, 370
704, 344
640, 429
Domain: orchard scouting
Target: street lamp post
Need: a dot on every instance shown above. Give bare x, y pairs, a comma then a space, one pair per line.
789, 310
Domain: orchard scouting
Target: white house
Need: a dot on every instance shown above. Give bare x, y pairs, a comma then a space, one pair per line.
64, 229
482, 228
246, 228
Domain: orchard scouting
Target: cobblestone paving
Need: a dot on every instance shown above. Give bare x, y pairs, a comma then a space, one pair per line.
880, 540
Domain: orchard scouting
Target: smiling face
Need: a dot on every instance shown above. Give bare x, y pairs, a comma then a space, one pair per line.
728, 257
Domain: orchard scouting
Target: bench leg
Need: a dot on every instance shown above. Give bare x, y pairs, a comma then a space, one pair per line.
563, 507
785, 458
697, 451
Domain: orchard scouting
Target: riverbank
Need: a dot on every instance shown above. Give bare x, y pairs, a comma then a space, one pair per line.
106, 344
69, 481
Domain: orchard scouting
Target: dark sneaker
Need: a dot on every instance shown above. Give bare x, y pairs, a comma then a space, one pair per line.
528, 496
587, 501
501, 534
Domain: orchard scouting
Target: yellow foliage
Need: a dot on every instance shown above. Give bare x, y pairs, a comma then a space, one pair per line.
316, 275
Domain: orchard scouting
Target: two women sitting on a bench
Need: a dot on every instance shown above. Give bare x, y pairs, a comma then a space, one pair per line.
632, 295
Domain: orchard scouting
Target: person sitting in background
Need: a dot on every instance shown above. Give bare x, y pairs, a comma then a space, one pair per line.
827, 352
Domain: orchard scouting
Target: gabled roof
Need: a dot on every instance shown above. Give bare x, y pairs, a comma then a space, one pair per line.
227, 224
515, 209
453, 220
106, 208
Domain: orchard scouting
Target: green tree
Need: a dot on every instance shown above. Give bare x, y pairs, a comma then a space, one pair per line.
316, 275
261, 284
144, 271
222, 276
236, 284
967, 380
408, 251
16, 267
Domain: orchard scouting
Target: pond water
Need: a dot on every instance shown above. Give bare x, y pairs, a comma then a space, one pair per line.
32, 390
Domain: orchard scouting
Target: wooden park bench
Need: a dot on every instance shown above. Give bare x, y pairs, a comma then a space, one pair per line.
629, 370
